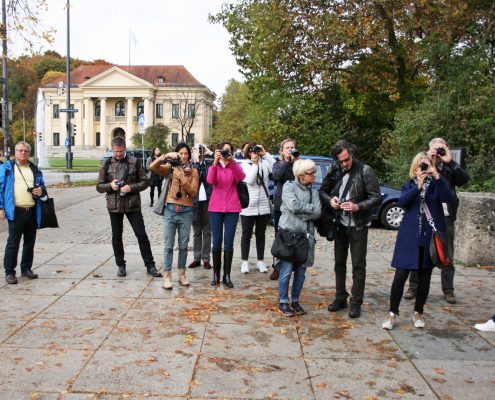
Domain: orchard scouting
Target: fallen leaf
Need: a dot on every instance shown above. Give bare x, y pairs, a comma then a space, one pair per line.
439, 371
322, 386
345, 393
97, 274
439, 379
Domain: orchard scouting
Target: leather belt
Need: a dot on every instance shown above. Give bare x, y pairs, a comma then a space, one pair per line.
24, 209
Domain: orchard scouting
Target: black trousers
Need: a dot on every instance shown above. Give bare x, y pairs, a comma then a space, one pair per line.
23, 225
152, 191
448, 272
136, 220
423, 287
248, 223
355, 239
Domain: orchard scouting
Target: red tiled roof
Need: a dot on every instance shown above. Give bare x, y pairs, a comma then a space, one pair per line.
175, 75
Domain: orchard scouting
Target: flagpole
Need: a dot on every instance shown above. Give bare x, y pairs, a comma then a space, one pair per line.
129, 47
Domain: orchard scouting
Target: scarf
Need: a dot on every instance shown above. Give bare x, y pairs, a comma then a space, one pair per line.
422, 196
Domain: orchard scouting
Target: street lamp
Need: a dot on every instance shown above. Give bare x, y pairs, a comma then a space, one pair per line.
68, 154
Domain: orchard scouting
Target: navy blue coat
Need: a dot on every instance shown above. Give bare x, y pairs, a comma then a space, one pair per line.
409, 239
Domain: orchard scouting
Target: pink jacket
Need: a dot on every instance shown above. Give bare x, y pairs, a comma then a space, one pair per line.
224, 180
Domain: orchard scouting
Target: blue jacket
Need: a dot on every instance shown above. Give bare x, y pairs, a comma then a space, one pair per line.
409, 239
7, 189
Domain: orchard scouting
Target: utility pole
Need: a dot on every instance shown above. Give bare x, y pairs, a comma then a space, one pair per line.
68, 154
5, 75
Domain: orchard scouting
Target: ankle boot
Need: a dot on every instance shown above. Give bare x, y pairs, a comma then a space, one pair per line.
182, 277
167, 284
217, 266
227, 266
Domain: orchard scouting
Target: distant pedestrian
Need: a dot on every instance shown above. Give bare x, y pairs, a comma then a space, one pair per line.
155, 180
421, 197
224, 208
178, 212
22, 189
122, 177
488, 326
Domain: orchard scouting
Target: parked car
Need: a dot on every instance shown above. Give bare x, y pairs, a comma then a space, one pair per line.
388, 214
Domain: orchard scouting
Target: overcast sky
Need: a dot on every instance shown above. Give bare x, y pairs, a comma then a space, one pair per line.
168, 32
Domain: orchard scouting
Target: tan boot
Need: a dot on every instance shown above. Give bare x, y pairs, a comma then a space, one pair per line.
167, 284
182, 277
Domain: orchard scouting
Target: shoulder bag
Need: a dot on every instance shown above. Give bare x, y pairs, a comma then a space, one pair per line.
48, 216
439, 251
160, 204
243, 193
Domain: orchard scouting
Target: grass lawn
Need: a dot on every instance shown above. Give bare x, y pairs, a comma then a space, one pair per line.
82, 164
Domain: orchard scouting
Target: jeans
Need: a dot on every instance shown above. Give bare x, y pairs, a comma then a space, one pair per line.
218, 221
423, 288
23, 225
447, 273
135, 218
202, 233
357, 240
176, 222
286, 269
248, 223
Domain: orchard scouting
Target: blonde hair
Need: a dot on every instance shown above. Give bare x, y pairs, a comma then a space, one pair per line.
417, 161
300, 167
284, 142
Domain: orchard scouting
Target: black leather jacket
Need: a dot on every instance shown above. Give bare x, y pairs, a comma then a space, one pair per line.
455, 176
364, 190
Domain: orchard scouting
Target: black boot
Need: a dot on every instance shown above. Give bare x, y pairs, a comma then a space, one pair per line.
227, 266
151, 270
217, 266
121, 272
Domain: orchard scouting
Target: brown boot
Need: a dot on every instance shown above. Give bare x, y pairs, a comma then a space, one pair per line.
410, 294
182, 277
167, 284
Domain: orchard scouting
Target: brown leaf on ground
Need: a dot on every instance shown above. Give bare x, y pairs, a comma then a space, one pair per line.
345, 394
439, 371
321, 386
487, 267
371, 383
439, 379
404, 389
96, 275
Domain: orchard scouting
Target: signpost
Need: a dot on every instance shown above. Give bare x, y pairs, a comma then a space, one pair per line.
141, 131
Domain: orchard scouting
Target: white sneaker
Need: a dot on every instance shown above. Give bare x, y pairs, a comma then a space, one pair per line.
262, 267
245, 267
389, 322
488, 326
418, 320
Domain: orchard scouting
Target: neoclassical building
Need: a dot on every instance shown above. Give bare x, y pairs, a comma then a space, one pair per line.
110, 100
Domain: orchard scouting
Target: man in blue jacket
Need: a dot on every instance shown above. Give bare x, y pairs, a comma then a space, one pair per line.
21, 187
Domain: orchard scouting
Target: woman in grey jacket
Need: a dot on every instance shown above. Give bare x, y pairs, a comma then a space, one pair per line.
300, 207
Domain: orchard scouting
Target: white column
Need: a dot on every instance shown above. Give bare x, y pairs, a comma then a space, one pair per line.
86, 136
129, 131
103, 122
148, 112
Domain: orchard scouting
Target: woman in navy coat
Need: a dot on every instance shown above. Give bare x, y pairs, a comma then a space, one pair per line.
426, 186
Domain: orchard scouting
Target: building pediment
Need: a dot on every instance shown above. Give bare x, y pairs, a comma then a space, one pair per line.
115, 77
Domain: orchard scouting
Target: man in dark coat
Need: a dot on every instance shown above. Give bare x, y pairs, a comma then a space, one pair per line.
352, 190
455, 176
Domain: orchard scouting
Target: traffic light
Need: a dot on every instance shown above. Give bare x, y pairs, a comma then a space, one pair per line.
74, 130
40, 136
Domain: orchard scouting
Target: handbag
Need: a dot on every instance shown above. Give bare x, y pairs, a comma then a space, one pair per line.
243, 193
439, 251
48, 216
270, 203
327, 224
160, 204
291, 246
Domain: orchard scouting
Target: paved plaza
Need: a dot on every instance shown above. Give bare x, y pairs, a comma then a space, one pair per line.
80, 332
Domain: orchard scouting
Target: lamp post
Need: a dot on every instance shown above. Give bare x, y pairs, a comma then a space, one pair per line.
68, 154
5, 75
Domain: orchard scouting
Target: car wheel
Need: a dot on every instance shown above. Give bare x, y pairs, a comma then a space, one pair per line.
391, 216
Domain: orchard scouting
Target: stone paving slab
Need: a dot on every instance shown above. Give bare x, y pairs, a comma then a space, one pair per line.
109, 288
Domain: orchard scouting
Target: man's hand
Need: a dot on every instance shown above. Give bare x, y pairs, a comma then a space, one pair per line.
114, 185
125, 189
335, 202
2, 214
37, 191
349, 206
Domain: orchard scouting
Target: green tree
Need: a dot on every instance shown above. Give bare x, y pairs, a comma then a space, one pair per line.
154, 136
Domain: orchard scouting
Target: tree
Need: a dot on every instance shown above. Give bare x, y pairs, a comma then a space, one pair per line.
185, 111
154, 136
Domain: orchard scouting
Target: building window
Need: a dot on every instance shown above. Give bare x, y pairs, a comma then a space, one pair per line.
190, 139
97, 108
56, 139
140, 108
98, 139
159, 110
55, 111
191, 110
175, 139
119, 109
161, 79
175, 111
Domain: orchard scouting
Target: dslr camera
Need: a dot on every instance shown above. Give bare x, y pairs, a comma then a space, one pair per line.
441, 151
225, 153
174, 162
295, 153
424, 166
257, 149
30, 190
120, 184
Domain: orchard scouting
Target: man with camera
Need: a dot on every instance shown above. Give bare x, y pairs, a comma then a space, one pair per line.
352, 190
21, 190
122, 177
455, 176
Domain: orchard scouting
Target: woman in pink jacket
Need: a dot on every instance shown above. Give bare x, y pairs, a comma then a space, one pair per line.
224, 209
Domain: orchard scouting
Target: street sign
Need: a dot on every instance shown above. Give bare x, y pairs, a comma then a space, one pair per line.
141, 120
2, 80
141, 130
69, 110
66, 142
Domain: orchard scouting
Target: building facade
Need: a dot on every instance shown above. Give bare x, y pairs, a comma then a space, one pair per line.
110, 99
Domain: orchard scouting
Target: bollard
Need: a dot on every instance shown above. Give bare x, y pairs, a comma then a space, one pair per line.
66, 179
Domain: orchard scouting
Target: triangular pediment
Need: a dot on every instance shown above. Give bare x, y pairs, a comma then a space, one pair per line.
115, 78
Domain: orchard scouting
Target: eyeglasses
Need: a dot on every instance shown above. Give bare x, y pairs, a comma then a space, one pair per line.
345, 160
23, 151
312, 173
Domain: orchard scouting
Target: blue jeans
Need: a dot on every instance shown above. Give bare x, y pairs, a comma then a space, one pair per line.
181, 223
217, 221
286, 269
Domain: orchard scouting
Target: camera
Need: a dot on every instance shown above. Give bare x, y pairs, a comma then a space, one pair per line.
201, 149
30, 190
441, 151
120, 184
257, 149
424, 166
174, 162
295, 153
178, 195
225, 153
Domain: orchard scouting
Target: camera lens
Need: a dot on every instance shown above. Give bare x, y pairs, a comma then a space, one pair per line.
424, 166
225, 153
256, 149
441, 151
178, 195
295, 153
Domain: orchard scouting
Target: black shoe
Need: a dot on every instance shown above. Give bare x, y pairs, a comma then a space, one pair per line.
355, 311
28, 273
194, 264
121, 272
151, 204
153, 271
336, 306
11, 279
297, 308
284, 309
450, 297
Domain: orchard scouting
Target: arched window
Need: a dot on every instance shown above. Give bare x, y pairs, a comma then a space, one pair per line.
97, 108
140, 108
119, 109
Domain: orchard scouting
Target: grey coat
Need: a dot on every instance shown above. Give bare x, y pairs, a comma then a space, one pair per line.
298, 212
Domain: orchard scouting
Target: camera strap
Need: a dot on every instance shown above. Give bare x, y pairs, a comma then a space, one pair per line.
24, 179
